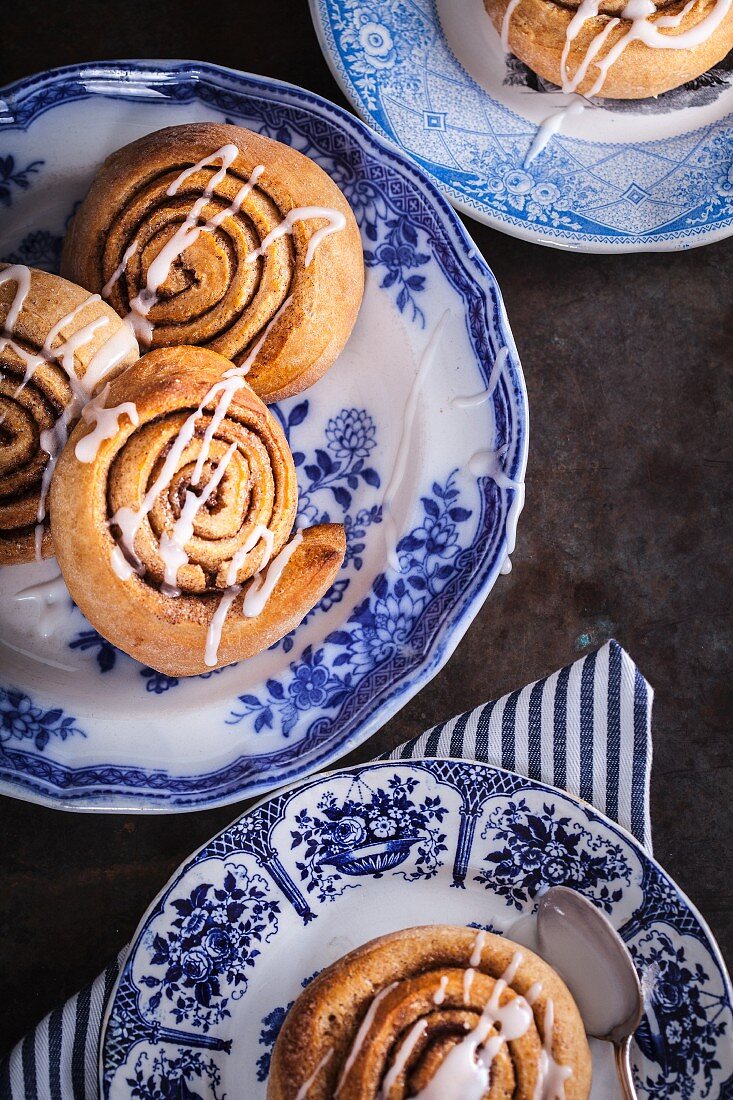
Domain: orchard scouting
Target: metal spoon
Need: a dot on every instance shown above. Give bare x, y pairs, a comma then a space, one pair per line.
584, 947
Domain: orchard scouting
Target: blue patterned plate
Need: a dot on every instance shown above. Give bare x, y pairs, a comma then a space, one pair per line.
621, 176
85, 727
316, 870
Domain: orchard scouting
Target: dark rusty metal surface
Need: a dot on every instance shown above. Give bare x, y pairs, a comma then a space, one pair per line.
626, 532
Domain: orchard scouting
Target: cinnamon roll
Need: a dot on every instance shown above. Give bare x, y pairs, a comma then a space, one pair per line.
435, 1013
619, 49
171, 510
200, 234
58, 343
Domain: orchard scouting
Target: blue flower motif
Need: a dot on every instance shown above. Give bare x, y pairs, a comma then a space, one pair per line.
308, 686
530, 850
159, 682
169, 1077
377, 628
368, 832
196, 965
395, 616
377, 43
681, 1031
218, 944
352, 434
203, 957
22, 720
40, 249
12, 175
348, 831
400, 255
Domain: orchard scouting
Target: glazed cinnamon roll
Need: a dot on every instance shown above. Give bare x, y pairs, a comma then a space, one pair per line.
172, 509
619, 49
57, 344
436, 1013
201, 234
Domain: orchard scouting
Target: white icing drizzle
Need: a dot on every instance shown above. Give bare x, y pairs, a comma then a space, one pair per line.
439, 995
105, 423
261, 588
362, 1033
32, 362
257, 594
213, 635
116, 348
120, 565
406, 1048
511, 971
217, 624
642, 29
120, 269
551, 1075
259, 532
129, 520
473, 400
403, 451
552, 125
505, 24
478, 946
533, 993
190, 229
512, 519
21, 276
50, 598
304, 1089
336, 221
185, 235
62, 352
468, 976
489, 464
172, 547
52, 440
465, 1072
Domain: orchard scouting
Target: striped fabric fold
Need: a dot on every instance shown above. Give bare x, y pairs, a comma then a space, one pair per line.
586, 729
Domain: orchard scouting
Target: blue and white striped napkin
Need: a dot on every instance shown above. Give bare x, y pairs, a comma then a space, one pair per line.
586, 728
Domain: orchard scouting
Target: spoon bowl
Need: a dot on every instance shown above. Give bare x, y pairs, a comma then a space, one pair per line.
583, 946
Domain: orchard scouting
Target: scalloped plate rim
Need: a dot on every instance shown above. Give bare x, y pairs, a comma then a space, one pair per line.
456, 621
592, 813
509, 225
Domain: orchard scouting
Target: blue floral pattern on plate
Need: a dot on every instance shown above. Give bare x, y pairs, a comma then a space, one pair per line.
613, 188
369, 849
379, 633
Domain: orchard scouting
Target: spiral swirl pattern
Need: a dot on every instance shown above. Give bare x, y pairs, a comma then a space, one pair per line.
186, 233
179, 510
42, 391
433, 1013
614, 49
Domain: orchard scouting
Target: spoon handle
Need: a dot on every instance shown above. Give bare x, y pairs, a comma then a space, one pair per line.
622, 1051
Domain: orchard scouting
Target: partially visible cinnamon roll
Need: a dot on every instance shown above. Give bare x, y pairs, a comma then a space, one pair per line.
172, 510
618, 49
209, 234
58, 343
434, 1012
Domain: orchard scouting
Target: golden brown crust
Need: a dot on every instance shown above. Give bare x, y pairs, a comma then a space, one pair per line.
213, 297
259, 486
37, 406
328, 1014
537, 34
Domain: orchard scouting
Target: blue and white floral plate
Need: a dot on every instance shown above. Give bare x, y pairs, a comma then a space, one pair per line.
316, 870
622, 176
84, 727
